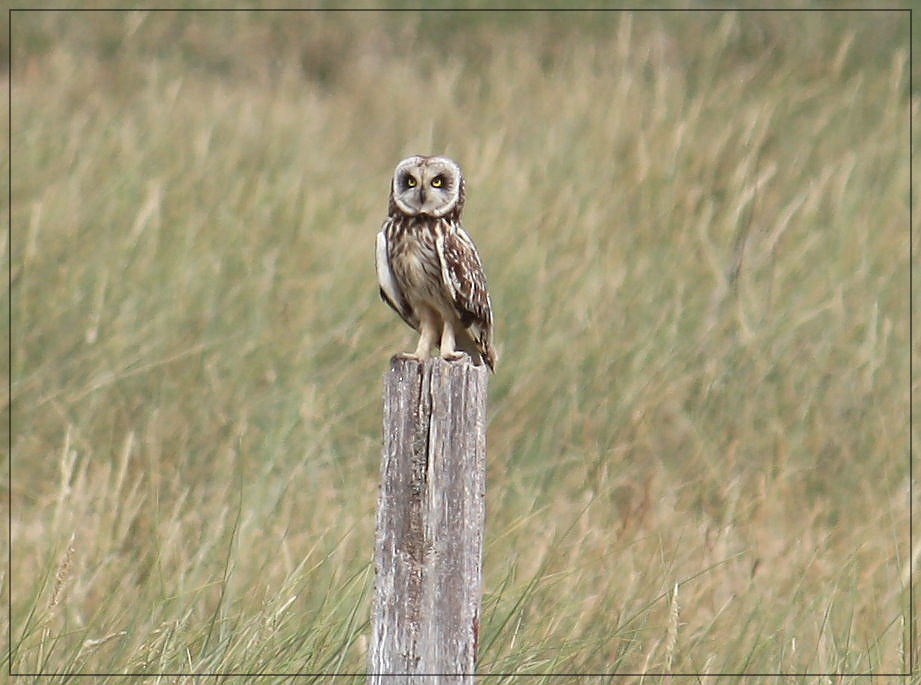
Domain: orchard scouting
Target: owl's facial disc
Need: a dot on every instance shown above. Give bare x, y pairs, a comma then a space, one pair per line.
425, 186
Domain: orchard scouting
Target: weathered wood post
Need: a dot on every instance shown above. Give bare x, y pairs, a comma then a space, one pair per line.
430, 519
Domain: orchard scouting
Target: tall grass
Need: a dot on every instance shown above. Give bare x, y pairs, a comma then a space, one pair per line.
695, 228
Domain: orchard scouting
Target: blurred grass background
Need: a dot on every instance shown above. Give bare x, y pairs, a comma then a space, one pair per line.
695, 228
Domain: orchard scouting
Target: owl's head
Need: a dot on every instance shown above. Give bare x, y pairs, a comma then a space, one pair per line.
427, 186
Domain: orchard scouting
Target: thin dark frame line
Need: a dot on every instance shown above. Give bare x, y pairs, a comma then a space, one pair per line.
9, 340
911, 364
470, 10
305, 674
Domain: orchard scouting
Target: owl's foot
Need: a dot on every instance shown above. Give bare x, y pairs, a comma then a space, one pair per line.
453, 355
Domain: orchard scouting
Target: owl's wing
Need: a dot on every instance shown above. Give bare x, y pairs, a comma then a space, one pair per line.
464, 277
390, 291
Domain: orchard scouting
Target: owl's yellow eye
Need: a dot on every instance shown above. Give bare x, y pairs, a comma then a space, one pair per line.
437, 182
410, 182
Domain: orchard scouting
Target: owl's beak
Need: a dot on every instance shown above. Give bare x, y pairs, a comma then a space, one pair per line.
421, 195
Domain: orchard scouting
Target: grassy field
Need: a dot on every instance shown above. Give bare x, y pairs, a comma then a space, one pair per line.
695, 228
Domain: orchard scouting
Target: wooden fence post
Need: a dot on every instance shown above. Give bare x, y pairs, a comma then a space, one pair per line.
430, 519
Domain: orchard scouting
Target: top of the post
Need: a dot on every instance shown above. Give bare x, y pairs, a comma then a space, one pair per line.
403, 363
406, 367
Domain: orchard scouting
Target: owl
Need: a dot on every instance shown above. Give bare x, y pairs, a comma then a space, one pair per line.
428, 268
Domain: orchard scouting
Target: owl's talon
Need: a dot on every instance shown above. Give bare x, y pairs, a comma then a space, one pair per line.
453, 356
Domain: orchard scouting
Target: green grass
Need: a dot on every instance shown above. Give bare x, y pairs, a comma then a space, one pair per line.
695, 228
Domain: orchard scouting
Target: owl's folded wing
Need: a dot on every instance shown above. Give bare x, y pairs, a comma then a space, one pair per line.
390, 291
463, 275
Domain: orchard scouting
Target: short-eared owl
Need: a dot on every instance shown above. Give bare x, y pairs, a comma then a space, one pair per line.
428, 268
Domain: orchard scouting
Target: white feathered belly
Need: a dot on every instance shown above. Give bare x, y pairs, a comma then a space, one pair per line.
421, 282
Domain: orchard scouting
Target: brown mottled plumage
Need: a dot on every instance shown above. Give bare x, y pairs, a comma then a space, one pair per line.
428, 268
